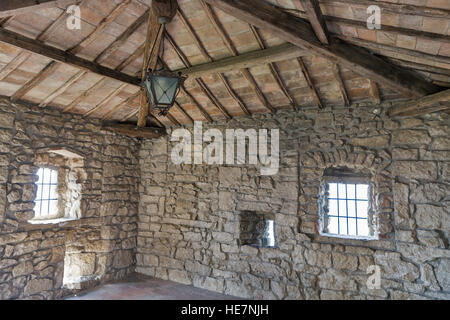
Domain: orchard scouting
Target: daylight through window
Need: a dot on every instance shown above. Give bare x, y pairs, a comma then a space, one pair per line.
46, 202
348, 208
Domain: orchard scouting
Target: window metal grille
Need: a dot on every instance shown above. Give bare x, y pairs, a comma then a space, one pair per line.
348, 208
46, 202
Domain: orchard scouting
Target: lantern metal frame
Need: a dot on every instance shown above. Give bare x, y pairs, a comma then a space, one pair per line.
153, 98
148, 82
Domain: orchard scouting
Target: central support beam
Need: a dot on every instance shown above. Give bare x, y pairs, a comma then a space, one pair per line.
290, 28
282, 52
155, 32
435, 102
16, 7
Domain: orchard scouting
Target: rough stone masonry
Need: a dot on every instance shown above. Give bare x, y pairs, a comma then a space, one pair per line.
140, 212
98, 247
188, 229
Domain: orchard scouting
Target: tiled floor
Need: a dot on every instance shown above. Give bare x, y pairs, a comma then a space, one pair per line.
139, 287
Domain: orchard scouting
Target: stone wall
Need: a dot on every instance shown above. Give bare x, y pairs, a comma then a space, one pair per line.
188, 228
98, 247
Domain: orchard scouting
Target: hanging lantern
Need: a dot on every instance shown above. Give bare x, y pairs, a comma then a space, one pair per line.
162, 89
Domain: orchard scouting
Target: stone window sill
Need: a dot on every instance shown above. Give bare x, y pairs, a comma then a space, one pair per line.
51, 221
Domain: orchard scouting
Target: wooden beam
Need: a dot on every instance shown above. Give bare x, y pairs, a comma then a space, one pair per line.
14, 64
80, 98
136, 54
4, 22
420, 66
173, 120
374, 92
310, 83
101, 27
363, 24
394, 52
38, 47
212, 98
133, 131
268, 17
316, 19
44, 73
208, 58
198, 105
229, 44
435, 102
251, 59
337, 75
123, 37
105, 100
199, 81
391, 7
16, 7
56, 25
61, 89
194, 36
107, 115
273, 69
184, 112
151, 52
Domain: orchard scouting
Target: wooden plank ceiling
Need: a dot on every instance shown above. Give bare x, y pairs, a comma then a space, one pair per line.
235, 68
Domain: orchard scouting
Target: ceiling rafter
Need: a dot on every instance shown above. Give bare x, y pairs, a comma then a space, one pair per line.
100, 27
181, 109
229, 44
203, 87
105, 100
341, 84
310, 83
273, 69
21, 57
55, 25
208, 58
61, 89
86, 93
374, 92
406, 9
4, 22
53, 53
37, 79
17, 7
391, 51
315, 17
436, 102
136, 54
288, 27
384, 27
123, 37
125, 102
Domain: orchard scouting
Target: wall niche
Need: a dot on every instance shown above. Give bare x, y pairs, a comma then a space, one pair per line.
257, 229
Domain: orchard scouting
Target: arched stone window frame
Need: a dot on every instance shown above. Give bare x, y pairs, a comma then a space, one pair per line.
377, 162
347, 175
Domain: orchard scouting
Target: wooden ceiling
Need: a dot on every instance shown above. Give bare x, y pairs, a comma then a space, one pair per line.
293, 54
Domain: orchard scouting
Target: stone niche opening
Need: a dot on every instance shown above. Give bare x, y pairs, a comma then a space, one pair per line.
257, 229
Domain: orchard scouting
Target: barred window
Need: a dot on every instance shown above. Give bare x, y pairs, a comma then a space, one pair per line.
346, 205
46, 202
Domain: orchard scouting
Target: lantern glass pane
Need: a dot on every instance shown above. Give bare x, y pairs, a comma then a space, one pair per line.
165, 89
